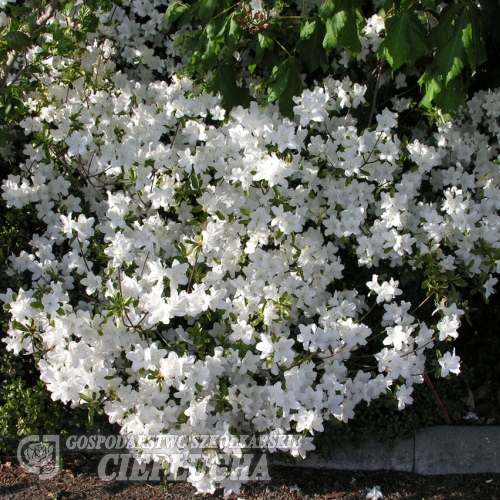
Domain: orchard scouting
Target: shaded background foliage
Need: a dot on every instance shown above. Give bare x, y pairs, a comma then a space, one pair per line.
451, 45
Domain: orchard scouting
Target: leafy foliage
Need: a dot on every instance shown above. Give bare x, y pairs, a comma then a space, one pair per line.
25, 404
446, 45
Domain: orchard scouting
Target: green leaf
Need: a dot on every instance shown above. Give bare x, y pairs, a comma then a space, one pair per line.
85, 398
263, 42
225, 82
472, 39
277, 82
429, 4
307, 30
327, 9
343, 18
450, 59
208, 59
293, 88
17, 40
350, 37
444, 29
19, 326
65, 46
311, 50
189, 42
334, 26
232, 36
451, 97
432, 88
285, 82
175, 11
207, 9
405, 39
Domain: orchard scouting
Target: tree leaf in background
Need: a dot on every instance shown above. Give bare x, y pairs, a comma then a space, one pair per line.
17, 40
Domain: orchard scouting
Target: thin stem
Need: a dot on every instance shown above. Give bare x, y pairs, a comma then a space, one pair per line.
421, 304
408, 90
371, 309
365, 356
14, 54
290, 55
338, 351
7, 68
370, 367
374, 104
379, 334
131, 324
428, 381
193, 271
113, 13
83, 256
225, 10
141, 320
153, 177
365, 162
418, 348
18, 75
144, 265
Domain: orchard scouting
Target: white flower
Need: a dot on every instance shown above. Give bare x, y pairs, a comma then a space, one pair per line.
242, 331
386, 121
489, 286
308, 420
375, 493
266, 345
403, 395
449, 363
177, 274
448, 326
273, 170
197, 411
386, 291
92, 282
212, 237
397, 336
3, 3
4, 20
400, 80
311, 106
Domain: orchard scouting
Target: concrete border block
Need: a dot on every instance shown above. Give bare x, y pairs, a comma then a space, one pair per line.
372, 455
457, 450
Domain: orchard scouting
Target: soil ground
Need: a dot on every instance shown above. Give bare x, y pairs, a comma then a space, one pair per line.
79, 481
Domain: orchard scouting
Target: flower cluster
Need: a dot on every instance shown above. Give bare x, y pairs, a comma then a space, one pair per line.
193, 272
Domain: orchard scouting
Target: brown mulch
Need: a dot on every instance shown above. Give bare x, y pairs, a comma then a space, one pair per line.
79, 481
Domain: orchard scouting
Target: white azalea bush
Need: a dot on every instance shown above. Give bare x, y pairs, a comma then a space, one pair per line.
193, 271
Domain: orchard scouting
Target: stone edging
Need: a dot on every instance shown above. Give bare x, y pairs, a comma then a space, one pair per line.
432, 451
